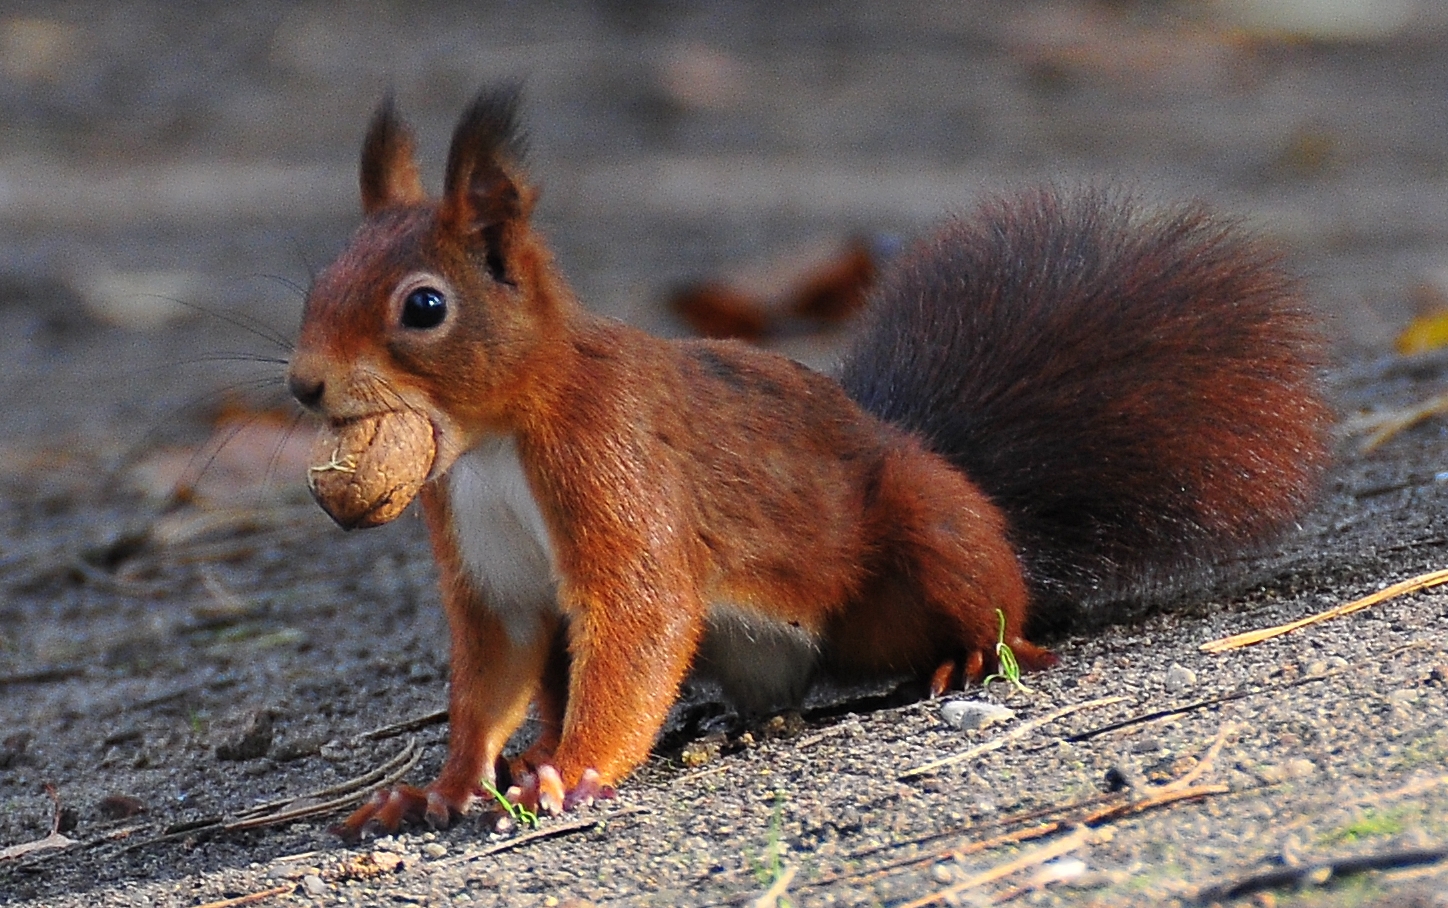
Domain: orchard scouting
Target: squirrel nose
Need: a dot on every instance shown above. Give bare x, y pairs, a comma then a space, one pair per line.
306, 389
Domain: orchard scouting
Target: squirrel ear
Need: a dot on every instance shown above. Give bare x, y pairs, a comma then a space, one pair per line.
389, 173
481, 196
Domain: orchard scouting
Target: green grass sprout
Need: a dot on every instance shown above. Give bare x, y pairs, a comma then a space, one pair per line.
1008, 668
519, 814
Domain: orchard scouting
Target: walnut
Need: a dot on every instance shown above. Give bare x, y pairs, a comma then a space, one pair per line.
366, 471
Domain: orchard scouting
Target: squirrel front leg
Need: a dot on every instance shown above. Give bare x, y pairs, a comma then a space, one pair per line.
494, 678
631, 647
630, 644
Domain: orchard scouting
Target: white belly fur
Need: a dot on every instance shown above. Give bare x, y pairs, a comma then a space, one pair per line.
763, 665
502, 538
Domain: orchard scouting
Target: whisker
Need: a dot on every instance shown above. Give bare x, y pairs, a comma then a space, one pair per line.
193, 405
301, 252
376, 382
286, 282
239, 356
248, 323
282, 439
226, 356
269, 375
187, 482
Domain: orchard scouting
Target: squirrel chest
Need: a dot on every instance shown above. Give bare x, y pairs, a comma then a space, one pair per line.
500, 536
502, 542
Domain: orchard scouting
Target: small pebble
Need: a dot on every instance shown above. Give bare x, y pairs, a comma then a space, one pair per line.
967, 715
1403, 697
1179, 677
434, 849
1061, 870
120, 807
1274, 773
1293, 854
314, 884
386, 861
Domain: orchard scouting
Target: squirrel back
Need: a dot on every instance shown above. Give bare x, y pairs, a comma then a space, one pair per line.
1138, 392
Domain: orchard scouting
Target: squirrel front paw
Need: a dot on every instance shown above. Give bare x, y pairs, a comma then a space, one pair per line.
389, 809
542, 790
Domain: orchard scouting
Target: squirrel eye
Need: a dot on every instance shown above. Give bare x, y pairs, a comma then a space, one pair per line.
424, 307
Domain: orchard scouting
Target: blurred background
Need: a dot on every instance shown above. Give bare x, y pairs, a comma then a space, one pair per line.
206, 152
172, 174
152, 153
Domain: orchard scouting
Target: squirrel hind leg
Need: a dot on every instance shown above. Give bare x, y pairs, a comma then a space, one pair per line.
946, 587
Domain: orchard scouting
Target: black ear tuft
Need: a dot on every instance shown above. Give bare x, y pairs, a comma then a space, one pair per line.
487, 133
483, 198
389, 174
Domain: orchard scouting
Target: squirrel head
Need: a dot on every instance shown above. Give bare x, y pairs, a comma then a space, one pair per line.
437, 306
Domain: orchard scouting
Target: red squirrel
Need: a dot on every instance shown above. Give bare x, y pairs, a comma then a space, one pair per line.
1058, 402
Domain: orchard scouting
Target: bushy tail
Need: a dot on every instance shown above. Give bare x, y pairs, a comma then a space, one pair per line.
1138, 391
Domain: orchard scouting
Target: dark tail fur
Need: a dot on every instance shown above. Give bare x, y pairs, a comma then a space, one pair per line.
1139, 392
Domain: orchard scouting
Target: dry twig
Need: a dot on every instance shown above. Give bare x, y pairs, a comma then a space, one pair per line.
771, 896
1090, 813
1035, 857
406, 725
543, 832
54, 840
1247, 638
1385, 426
1321, 872
253, 897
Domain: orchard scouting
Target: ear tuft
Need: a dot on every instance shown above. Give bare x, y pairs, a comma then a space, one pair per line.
481, 191
488, 130
389, 175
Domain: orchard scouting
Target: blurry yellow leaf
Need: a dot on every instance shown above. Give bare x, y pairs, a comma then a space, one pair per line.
1424, 333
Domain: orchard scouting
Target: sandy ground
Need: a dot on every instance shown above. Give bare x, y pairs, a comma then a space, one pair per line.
167, 666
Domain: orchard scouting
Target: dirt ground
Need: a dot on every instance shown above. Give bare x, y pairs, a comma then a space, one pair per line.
178, 671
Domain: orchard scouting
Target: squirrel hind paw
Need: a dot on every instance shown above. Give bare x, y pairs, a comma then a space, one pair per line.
952, 674
590, 788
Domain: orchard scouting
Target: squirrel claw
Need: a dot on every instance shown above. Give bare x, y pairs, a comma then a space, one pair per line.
944, 679
952, 675
385, 811
389, 809
590, 788
543, 791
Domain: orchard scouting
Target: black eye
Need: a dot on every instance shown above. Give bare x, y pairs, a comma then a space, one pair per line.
424, 307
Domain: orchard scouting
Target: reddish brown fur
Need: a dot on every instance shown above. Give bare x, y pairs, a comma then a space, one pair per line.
671, 477
1139, 392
